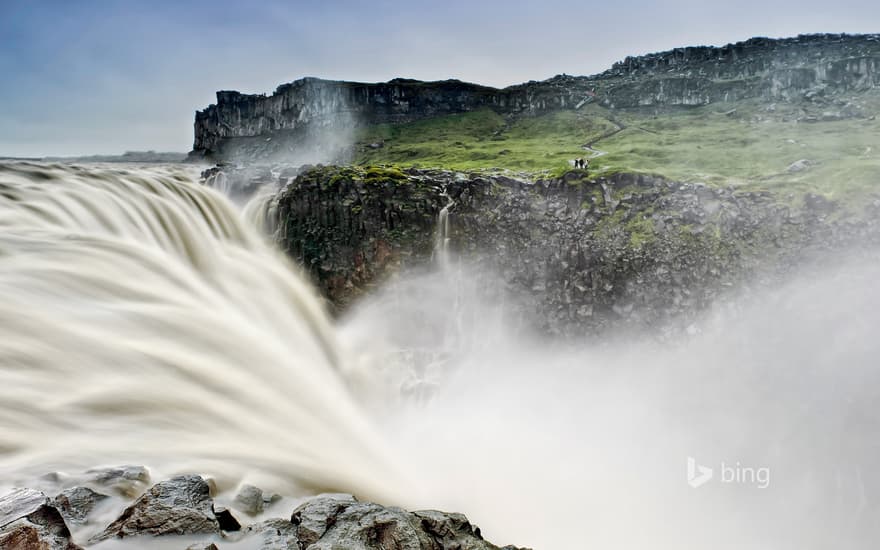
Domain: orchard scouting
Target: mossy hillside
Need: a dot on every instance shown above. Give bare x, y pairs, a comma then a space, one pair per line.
747, 144
484, 140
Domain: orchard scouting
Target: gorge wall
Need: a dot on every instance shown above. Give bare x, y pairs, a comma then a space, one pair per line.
262, 127
571, 256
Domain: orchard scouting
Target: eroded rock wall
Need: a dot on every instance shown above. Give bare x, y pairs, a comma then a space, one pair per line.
313, 113
576, 255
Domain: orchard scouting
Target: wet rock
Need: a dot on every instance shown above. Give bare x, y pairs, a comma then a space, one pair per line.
249, 500
179, 506
77, 503
226, 520
273, 534
29, 522
336, 521
313, 518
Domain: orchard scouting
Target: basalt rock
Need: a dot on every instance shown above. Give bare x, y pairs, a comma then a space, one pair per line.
305, 119
182, 506
179, 506
273, 534
29, 522
577, 255
77, 503
339, 521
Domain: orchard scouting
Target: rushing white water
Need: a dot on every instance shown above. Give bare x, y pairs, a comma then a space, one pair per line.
441, 235
143, 321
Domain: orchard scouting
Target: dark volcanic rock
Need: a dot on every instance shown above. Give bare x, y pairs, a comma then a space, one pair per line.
249, 500
274, 534
183, 506
574, 255
340, 521
29, 522
226, 520
77, 503
179, 506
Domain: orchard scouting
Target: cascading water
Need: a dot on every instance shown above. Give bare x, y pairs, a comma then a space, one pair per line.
144, 322
441, 234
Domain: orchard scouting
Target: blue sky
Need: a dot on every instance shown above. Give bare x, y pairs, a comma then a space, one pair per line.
105, 76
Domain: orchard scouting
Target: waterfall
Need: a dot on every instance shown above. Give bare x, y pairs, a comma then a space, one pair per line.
441, 234
143, 321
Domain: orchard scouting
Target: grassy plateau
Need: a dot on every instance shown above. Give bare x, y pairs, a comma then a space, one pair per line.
748, 144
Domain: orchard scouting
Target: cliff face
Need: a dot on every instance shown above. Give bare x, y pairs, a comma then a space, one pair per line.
312, 101
778, 70
571, 256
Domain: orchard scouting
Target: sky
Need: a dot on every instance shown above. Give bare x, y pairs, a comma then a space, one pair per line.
107, 76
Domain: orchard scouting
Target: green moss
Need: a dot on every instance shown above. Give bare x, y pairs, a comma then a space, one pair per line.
641, 230
383, 174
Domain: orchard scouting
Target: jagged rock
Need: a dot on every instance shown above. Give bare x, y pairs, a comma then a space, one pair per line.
331, 522
226, 520
313, 518
274, 534
77, 503
180, 506
29, 522
183, 506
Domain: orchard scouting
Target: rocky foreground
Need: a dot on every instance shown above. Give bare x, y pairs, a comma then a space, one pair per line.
184, 507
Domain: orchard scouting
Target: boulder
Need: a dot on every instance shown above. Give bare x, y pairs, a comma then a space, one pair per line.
29, 522
273, 534
340, 521
179, 506
77, 503
249, 500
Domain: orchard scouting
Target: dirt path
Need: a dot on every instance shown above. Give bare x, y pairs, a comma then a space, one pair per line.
595, 153
618, 127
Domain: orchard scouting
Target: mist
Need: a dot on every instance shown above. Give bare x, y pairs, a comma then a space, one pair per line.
561, 445
177, 322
